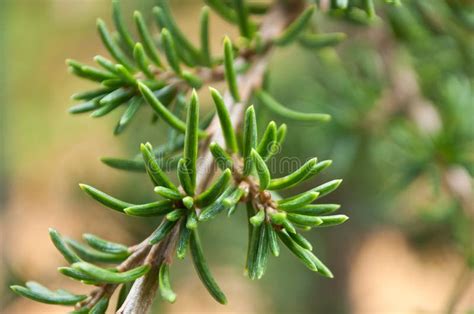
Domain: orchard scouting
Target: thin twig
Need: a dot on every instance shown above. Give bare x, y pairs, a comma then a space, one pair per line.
141, 296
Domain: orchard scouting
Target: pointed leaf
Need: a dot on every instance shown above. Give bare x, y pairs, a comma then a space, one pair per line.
104, 245
147, 39
302, 200
153, 169
191, 139
157, 208
226, 123
107, 276
213, 192
203, 270
204, 36
318, 41
105, 199
250, 139
162, 231
293, 178
122, 30
183, 240
62, 247
222, 159
168, 193
267, 144
291, 32
170, 51
111, 46
92, 255
164, 283
316, 209
41, 294
262, 170
230, 75
277, 108
304, 255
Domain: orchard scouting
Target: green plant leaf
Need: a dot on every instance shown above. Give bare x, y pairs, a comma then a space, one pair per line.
304, 255
242, 15
166, 292
319, 41
204, 36
215, 208
106, 64
273, 241
105, 199
183, 240
162, 231
277, 108
304, 220
142, 61
184, 178
226, 123
233, 198
202, 269
170, 51
212, 193
334, 220
157, 208
156, 174
168, 193
176, 214
39, 293
122, 30
117, 97
191, 140
293, 178
88, 72
182, 42
103, 275
315, 209
258, 218
298, 202
77, 275
249, 139
62, 247
328, 187
222, 159
133, 106
301, 241
92, 255
162, 111
147, 39
104, 245
291, 32
267, 144
262, 170
191, 221
223, 10
91, 94
101, 306
111, 46
230, 75
369, 8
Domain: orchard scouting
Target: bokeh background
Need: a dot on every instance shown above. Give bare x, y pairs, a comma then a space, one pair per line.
402, 138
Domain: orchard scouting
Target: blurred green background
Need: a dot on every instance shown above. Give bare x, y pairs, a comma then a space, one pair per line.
402, 138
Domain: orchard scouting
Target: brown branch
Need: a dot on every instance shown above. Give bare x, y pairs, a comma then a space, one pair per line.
141, 296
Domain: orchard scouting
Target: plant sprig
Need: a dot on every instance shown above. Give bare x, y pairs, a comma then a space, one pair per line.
138, 75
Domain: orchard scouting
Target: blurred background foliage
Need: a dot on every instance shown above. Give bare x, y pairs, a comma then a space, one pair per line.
402, 136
